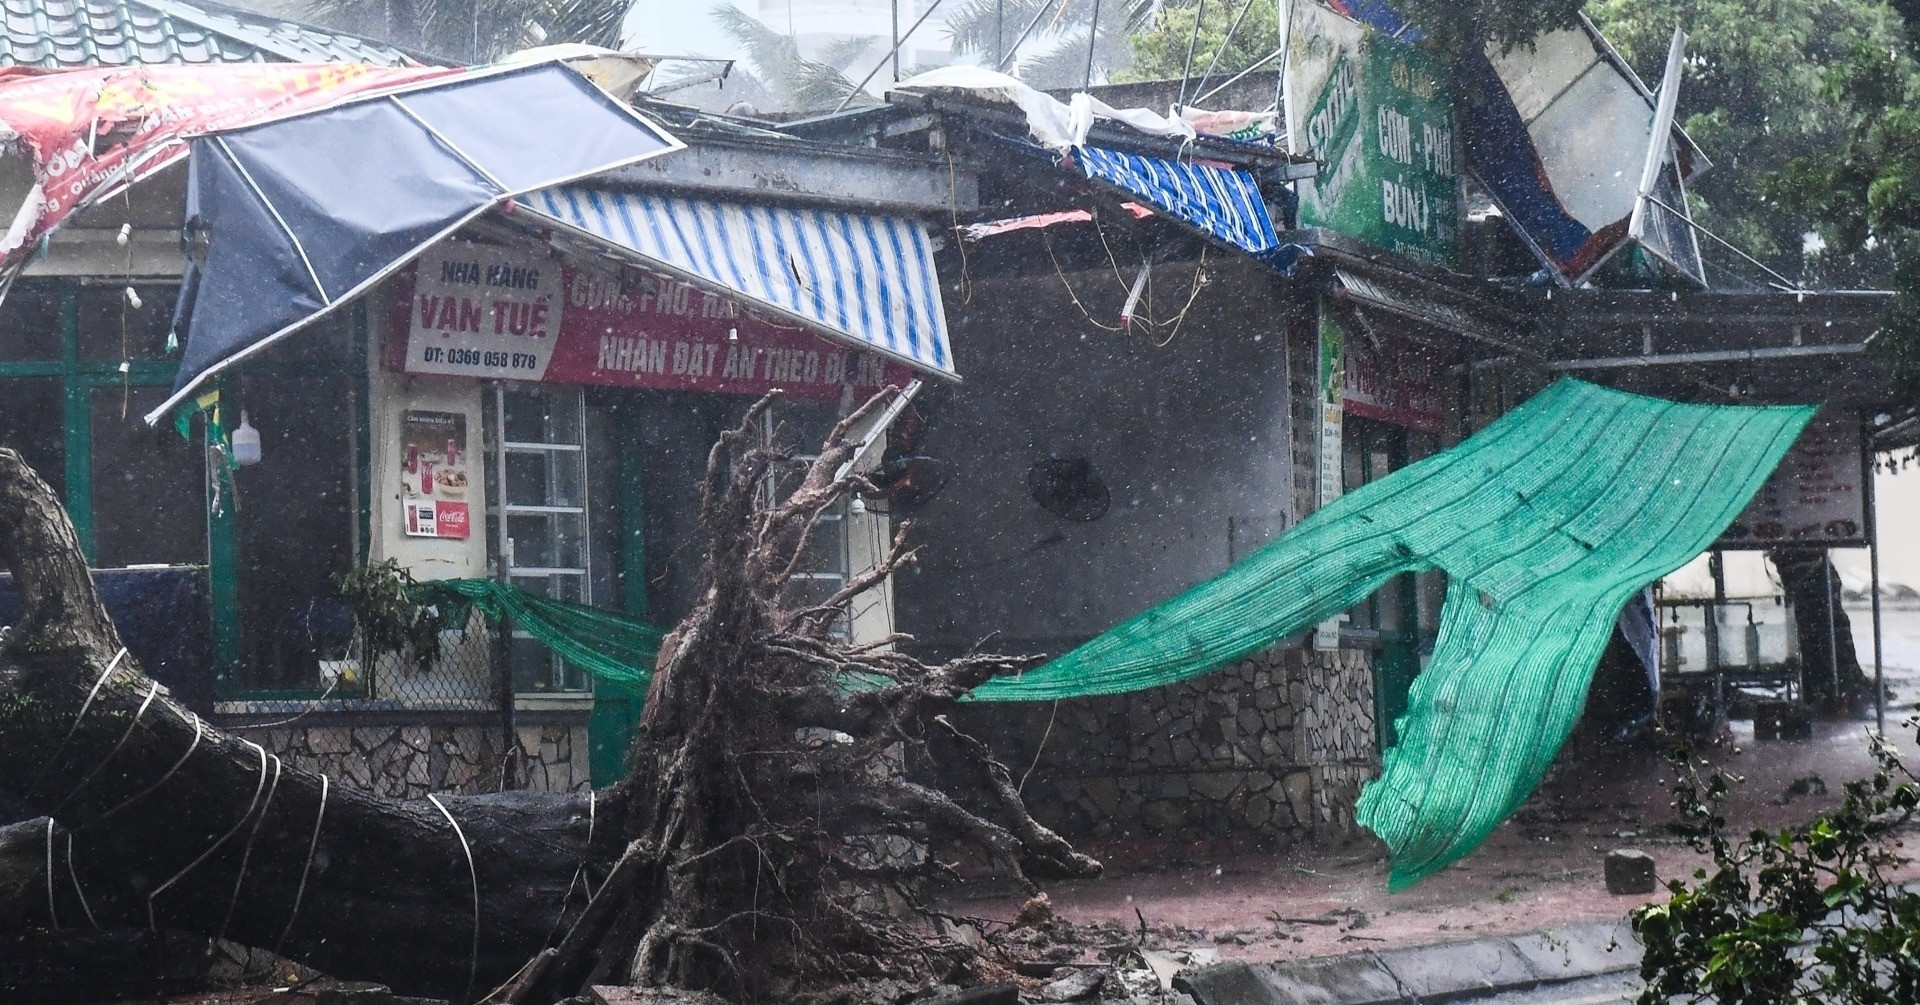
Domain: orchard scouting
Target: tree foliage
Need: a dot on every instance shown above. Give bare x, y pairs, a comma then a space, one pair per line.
1054, 54
796, 82
1160, 51
1862, 190
1807, 914
1447, 26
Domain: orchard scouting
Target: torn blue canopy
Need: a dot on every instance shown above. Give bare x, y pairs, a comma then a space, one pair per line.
1221, 203
291, 219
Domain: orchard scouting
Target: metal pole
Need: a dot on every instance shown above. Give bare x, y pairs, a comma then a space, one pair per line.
1833, 624
1716, 564
1873, 565
1186, 68
1000, 32
864, 81
1217, 53
503, 633
1093, 39
894, 11
1022, 40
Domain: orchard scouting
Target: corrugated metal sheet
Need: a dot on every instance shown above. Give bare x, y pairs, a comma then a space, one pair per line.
70, 33
1545, 522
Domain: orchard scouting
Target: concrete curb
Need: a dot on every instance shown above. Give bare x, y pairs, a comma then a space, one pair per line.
1425, 974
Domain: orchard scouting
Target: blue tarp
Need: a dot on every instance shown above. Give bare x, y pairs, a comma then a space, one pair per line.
300, 215
1222, 203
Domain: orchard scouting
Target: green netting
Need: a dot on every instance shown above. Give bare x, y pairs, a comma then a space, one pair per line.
617, 651
1545, 523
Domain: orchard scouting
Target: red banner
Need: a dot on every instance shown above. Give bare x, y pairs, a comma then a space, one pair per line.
492, 313
90, 132
1398, 382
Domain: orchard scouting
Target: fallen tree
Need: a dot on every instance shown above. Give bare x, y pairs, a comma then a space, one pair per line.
769, 841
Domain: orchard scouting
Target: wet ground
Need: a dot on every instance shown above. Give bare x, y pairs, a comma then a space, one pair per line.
1540, 869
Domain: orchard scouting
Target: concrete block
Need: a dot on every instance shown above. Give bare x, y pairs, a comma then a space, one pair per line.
1332, 980
1079, 983
1630, 871
1578, 951
1429, 972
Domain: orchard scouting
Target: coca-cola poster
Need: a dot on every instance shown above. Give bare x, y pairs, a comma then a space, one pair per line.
434, 467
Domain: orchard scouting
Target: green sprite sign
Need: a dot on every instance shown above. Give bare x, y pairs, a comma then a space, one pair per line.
1382, 129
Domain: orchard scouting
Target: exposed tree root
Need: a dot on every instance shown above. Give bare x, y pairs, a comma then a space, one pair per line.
771, 839
774, 808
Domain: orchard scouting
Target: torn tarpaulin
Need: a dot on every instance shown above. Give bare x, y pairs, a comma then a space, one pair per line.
303, 214
1222, 203
1037, 221
90, 133
1546, 523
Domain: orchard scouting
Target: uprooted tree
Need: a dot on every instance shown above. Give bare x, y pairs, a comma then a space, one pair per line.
771, 839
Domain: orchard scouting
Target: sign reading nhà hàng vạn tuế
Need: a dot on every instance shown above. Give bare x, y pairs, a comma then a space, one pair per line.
508, 313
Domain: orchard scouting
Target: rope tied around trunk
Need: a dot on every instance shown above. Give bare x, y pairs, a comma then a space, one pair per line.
473, 959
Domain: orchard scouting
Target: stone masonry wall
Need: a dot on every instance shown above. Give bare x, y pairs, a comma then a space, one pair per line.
408, 761
1273, 749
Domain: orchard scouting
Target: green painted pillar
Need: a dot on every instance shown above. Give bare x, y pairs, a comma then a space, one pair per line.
616, 713
77, 421
223, 570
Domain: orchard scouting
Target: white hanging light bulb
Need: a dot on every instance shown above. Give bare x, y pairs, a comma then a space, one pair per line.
246, 443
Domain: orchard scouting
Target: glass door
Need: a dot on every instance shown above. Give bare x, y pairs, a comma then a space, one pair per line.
538, 515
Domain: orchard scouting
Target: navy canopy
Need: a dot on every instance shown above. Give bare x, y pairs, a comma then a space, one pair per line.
293, 218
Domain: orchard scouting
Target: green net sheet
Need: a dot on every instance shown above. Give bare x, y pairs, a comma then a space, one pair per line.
1545, 523
617, 651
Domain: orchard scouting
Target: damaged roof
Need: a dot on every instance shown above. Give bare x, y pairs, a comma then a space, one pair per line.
72, 33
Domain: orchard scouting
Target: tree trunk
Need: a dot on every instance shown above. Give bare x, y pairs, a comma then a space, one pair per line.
771, 841
169, 823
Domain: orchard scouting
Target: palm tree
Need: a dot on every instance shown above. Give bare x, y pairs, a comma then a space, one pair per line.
1054, 53
796, 82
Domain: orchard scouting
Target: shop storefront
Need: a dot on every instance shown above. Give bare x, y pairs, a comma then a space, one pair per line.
538, 410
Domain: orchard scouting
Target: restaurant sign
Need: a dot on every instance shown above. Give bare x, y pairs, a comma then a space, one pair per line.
1395, 380
1815, 498
506, 313
1378, 116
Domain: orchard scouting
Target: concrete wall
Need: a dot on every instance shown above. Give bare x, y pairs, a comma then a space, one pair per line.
1192, 438
1208, 444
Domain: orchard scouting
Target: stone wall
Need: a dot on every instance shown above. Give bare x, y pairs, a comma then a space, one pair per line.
1273, 749
408, 760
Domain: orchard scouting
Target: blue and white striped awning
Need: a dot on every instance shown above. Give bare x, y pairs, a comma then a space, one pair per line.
1222, 203
867, 281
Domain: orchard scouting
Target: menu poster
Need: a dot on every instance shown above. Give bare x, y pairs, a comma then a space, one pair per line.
1817, 496
433, 474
